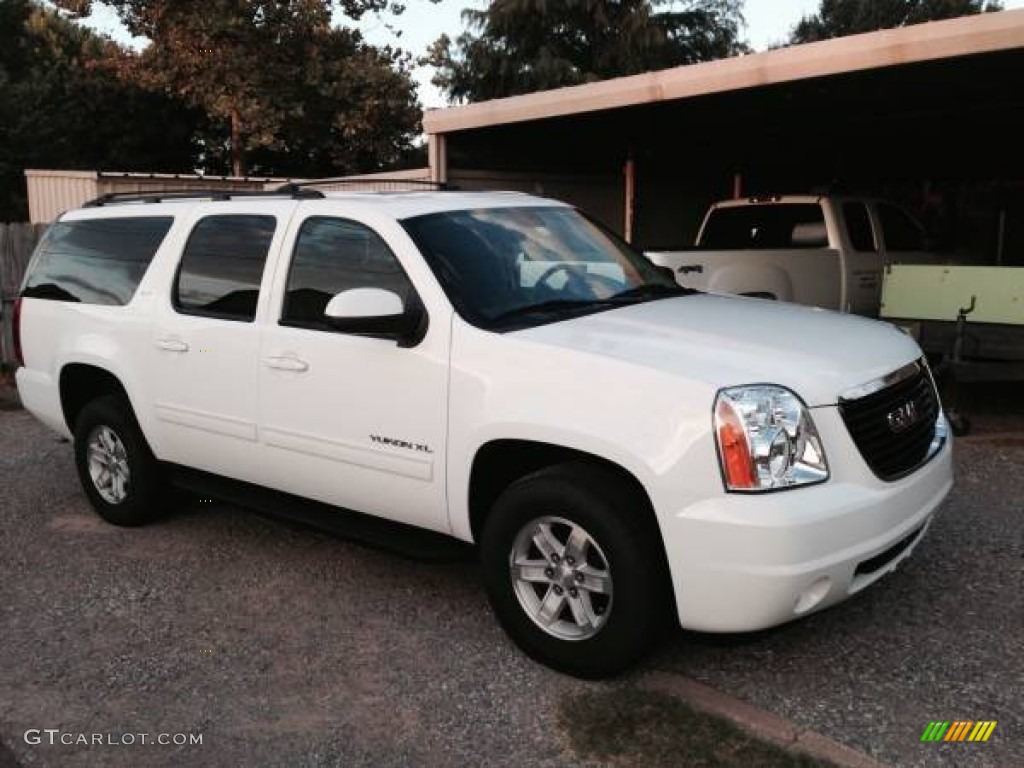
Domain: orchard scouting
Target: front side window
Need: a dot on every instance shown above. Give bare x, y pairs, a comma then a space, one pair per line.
95, 261
335, 255
901, 232
222, 266
510, 268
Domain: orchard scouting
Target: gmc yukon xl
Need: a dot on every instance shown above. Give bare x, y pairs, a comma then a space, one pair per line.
495, 368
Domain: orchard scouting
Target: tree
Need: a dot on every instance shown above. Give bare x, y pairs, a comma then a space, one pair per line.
838, 18
520, 46
62, 106
287, 89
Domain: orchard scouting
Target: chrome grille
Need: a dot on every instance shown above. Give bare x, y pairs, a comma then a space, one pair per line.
895, 427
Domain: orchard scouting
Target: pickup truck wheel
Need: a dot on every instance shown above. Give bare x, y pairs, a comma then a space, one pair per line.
119, 474
573, 572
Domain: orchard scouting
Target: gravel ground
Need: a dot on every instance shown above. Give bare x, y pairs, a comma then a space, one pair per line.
282, 646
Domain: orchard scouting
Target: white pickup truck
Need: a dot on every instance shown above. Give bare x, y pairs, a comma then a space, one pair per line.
822, 251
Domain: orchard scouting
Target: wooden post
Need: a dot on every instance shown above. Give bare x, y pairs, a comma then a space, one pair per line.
737, 186
437, 157
629, 174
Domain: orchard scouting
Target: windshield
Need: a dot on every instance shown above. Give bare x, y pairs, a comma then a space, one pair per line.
509, 268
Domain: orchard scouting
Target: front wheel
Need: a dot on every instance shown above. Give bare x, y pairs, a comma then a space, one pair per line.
573, 570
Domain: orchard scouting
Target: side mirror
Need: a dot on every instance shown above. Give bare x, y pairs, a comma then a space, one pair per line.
376, 312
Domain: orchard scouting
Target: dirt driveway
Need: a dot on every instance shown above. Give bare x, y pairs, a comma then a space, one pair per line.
282, 646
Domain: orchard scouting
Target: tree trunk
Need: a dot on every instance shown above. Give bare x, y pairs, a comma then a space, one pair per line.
237, 152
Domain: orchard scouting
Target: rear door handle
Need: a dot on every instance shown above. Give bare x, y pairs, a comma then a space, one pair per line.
688, 268
287, 364
172, 345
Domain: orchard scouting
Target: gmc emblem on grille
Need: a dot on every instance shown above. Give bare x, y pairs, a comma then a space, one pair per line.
903, 418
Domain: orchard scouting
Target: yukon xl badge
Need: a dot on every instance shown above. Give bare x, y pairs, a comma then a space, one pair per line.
419, 447
903, 418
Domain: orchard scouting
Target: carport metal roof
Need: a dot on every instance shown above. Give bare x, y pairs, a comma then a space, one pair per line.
956, 38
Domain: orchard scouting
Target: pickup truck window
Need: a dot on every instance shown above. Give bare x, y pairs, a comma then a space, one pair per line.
334, 255
512, 268
222, 266
901, 232
763, 227
858, 224
95, 261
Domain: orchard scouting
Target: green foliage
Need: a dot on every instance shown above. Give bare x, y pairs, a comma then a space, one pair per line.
838, 18
520, 46
281, 86
62, 106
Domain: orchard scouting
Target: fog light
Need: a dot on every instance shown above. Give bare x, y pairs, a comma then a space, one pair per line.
811, 597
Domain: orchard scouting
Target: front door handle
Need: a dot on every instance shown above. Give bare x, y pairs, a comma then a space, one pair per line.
287, 364
688, 268
172, 345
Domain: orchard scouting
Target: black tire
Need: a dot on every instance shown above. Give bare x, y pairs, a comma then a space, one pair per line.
144, 490
620, 524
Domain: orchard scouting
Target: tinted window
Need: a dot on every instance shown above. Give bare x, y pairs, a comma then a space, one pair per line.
335, 255
97, 261
222, 266
858, 224
765, 227
901, 232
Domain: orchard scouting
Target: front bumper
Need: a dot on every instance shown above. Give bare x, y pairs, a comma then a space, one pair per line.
743, 563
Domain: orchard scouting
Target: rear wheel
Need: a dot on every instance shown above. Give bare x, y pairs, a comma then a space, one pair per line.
118, 472
574, 571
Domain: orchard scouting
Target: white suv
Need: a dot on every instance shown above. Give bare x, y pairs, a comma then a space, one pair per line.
499, 369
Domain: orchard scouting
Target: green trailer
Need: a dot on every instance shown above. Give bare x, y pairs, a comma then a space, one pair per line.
969, 320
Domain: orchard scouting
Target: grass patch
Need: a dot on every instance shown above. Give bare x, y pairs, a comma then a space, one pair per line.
636, 727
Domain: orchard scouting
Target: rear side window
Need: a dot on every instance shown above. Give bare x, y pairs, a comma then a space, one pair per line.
95, 261
335, 255
765, 227
901, 232
858, 224
222, 267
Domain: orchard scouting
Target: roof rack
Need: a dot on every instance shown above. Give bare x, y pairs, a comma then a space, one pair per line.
295, 187
159, 196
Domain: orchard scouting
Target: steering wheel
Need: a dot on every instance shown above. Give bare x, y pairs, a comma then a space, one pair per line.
550, 272
573, 273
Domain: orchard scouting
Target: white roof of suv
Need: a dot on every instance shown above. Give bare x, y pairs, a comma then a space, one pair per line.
399, 205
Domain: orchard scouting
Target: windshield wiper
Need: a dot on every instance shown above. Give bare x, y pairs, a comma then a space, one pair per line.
651, 291
555, 306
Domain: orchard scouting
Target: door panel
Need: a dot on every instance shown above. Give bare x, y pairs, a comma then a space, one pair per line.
205, 342
350, 420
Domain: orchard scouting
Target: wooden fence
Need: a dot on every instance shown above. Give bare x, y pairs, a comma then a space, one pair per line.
16, 244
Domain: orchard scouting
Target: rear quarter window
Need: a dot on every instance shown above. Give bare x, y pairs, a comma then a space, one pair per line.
95, 261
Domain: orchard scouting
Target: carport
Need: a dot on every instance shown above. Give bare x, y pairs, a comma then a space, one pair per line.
930, 116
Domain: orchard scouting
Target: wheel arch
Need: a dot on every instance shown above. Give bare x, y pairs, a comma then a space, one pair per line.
499, 463
80, 383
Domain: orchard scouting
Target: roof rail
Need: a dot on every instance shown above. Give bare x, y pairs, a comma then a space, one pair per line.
159, 196
294, 187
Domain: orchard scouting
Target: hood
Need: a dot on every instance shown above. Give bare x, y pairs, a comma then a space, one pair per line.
728, 341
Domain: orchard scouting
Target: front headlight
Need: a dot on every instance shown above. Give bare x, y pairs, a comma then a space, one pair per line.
766, 440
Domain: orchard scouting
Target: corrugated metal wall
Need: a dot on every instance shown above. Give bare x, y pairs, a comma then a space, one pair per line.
52, 192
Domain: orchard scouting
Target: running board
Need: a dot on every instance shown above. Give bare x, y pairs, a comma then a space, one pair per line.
399, 538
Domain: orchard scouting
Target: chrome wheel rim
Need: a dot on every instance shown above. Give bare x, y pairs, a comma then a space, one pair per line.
108, 464
562, 578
